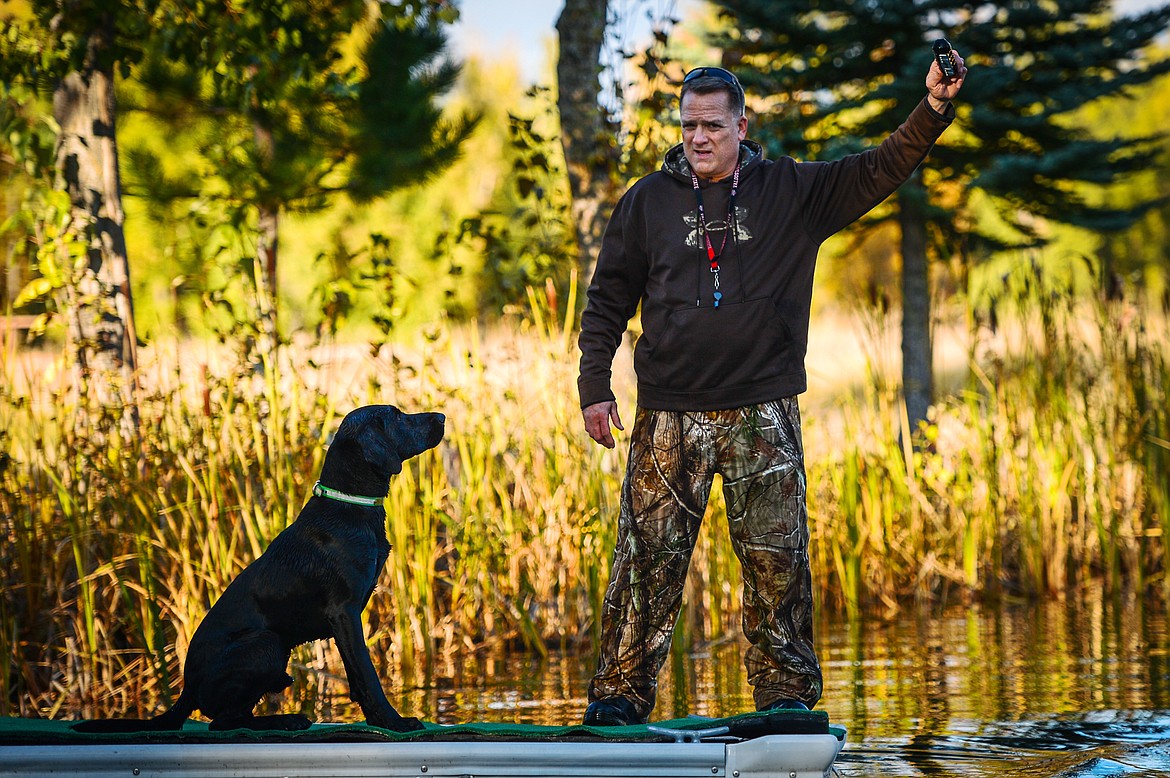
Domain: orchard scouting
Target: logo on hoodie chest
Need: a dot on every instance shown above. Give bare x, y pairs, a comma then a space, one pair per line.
716, 227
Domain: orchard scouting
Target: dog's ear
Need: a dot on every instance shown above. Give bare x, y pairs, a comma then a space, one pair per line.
378, 442
379, 453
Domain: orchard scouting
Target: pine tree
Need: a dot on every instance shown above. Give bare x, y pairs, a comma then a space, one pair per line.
298, 116
840, 75
301, 120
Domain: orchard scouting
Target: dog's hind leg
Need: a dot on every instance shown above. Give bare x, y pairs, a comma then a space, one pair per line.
286, 722
241, 675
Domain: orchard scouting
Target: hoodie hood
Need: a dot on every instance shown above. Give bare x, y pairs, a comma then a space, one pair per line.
675, 163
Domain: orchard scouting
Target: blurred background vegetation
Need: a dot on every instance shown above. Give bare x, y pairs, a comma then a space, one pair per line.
307, 206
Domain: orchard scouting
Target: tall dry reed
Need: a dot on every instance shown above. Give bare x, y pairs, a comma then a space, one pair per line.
1047, 473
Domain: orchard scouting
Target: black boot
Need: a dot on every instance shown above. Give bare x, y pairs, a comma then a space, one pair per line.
612, 712
783, 704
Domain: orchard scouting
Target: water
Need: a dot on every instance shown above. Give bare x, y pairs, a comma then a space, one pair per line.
1054, 689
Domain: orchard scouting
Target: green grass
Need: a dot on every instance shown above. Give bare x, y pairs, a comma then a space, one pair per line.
1046, 473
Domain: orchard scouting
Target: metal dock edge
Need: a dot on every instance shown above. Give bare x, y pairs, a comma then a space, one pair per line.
771, 756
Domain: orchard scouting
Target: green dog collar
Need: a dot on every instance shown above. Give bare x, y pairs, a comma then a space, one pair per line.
320, 490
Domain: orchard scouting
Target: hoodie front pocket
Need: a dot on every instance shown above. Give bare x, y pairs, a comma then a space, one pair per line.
703, 348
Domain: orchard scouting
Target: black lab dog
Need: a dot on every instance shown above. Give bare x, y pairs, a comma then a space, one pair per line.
312, 583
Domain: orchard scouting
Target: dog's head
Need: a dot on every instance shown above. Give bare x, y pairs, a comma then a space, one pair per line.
374, 441
385, 437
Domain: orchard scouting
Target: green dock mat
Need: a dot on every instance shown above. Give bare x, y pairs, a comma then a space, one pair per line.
20, 731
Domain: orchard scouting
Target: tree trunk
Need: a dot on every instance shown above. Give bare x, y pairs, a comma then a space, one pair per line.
267, 245
102, 327
586, 134
268, 225
917, 374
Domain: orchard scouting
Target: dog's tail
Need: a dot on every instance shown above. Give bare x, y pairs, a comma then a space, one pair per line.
170, 720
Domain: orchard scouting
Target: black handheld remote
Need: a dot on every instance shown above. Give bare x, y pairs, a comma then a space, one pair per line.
942, 53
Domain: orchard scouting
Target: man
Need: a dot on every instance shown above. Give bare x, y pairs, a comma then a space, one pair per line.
718, 248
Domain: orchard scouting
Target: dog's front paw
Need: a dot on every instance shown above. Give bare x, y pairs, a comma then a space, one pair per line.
408, 724
295, 722
398, 724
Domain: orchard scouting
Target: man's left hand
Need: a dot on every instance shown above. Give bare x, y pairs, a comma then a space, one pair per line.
942, 89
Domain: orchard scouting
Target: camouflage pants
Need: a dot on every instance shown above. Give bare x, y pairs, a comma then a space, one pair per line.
673, 458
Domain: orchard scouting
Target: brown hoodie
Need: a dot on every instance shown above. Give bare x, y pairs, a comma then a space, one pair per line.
694, 355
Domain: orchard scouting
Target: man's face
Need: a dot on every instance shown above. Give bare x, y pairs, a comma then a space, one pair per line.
711, 134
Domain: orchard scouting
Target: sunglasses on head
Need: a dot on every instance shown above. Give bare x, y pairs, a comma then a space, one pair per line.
725, 76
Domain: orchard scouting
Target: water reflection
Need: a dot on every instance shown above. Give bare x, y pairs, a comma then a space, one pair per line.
1055, 689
